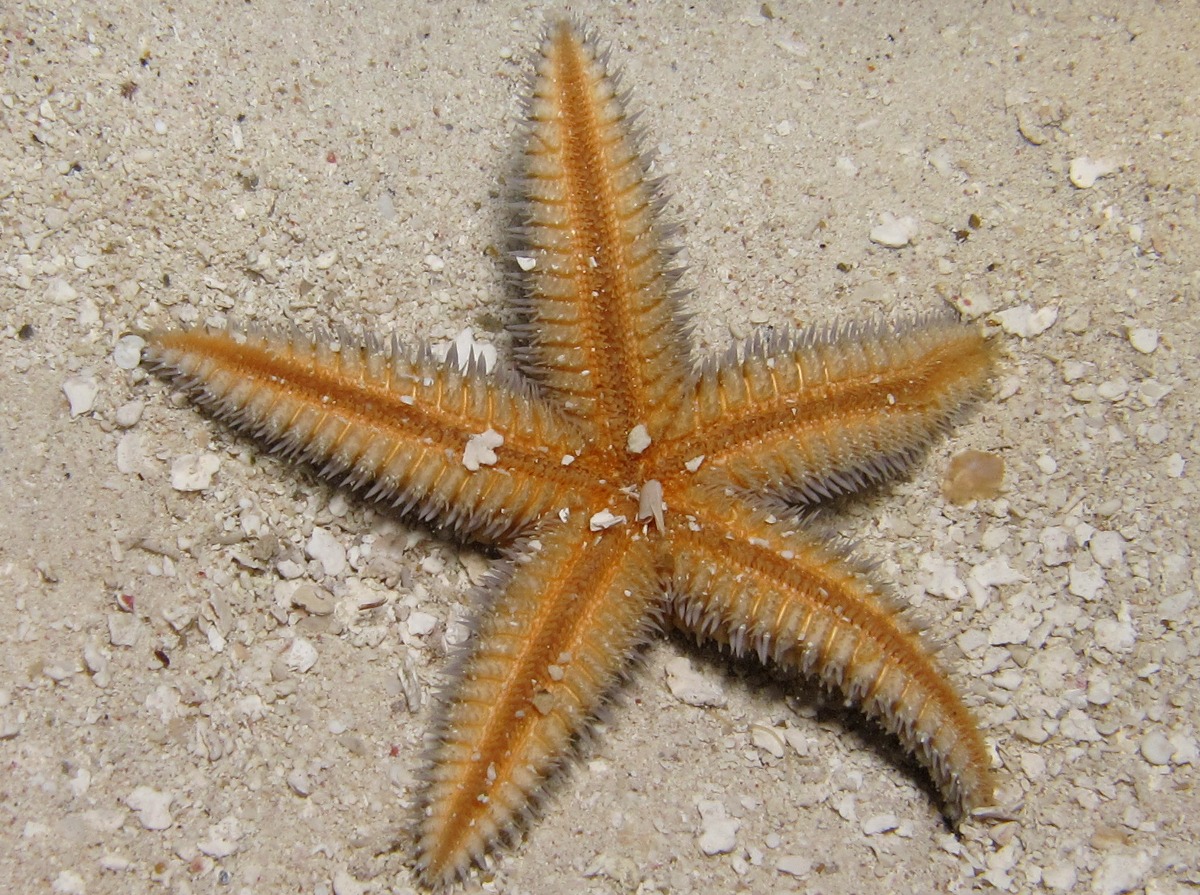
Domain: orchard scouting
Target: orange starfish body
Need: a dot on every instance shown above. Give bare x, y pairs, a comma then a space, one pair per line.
632, 487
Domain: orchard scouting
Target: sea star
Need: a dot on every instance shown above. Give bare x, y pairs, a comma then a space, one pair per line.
631, 488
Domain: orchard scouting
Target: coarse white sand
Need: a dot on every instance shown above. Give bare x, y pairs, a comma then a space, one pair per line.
226, 689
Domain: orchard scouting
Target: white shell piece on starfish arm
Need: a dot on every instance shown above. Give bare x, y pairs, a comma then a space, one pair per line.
638, 440
604, 519
481, 449
650, 502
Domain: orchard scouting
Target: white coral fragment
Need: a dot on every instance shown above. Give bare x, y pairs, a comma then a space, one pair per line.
481, 449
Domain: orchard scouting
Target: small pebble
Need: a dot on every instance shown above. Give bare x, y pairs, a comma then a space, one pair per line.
152, 807
880, 823
1186, 750
688, 686
129, 414
1157, 433
1074, 370
993, 573
128, 352
1060, 878
97, 664
57, 672
54, 217
1084, 172
1175, 465
794, 865
216, 846
1107, 548
61, 292
1116, 635
326, 260
846, 806
1013, 628
718, 834
1085, 582
1143, 340
289, 569
1084, 394
1025, 322
299, 782
972, 302
477, 566
973, 475
1056, 546
124, 629
893, 232
328, 551
767, 739
434, 263
1156, 748
421, 624
338, 505
1079, 727
1151, 391
797, 741
81, 392
1121, 872
194, 472
313, 600
1099, 690
68, 882
971, 641
301, 656
943, 580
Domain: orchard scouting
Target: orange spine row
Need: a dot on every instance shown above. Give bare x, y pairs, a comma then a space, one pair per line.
828, 412
402, 423
550, 650
599, 292
795, 603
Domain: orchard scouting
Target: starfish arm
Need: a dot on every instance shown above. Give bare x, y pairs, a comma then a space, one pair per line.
601, 320
467, 451
547, 652
764, 587
831, 410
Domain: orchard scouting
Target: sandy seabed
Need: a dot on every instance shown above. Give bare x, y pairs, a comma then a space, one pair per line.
199, 694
